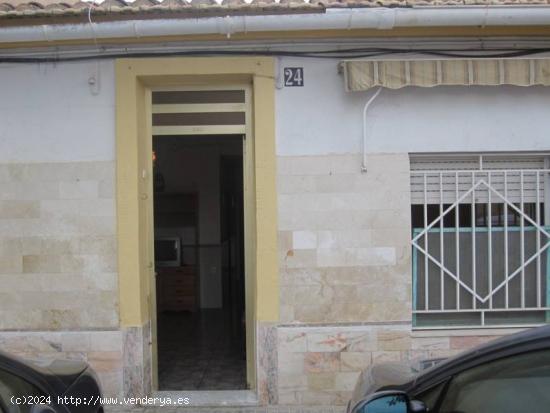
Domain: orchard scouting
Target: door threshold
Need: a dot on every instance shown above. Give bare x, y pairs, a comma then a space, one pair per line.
211, 397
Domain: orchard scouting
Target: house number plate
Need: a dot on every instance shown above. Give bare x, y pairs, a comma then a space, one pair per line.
294, 76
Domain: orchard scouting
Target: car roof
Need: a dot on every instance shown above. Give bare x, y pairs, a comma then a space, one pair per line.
528, 340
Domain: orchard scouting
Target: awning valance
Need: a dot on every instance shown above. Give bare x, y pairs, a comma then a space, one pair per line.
395, 74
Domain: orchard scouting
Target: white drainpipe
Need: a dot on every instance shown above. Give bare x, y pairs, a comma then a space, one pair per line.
335, 19
365, 109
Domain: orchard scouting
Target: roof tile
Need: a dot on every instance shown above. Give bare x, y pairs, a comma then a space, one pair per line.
26, 9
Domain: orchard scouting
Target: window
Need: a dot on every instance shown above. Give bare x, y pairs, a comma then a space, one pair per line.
480, 240
431, 396
515, 384
12, 385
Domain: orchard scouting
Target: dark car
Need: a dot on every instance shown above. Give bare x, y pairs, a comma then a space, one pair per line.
57, 386
507, 375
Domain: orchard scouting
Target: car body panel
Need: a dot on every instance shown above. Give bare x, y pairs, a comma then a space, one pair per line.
405, 378
57, 378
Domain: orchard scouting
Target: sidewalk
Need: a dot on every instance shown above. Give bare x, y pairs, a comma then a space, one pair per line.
229, 409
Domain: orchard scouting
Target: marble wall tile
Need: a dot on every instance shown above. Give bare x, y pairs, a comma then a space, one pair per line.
267, 353
71, 345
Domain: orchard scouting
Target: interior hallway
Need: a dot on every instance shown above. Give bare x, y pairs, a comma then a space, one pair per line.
197, 352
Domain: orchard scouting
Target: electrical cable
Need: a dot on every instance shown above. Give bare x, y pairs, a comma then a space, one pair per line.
352, 53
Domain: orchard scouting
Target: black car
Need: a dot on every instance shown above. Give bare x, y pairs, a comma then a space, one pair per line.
57, 386
508, 375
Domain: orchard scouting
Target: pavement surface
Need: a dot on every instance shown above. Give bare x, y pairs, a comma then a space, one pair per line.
228, 409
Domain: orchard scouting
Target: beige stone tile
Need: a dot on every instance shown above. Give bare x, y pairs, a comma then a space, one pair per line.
19, 209
293, 382
345, 381
55, 319
389, 340
20, 282
430, 343
338, 340
41, 263
79, 189
32, 190
14, 319
388, 218
322, 362
100, 225
290, 364
467, 342
313, 303
304, 240
290, 341
355, 361
109, 341
105, 361
102, 281
300, 259
58, 246
353, 257
344, 239
391, 237
287, 397
363, 341
317, 398
62, 283
296, 184
100, 245
75, 341
385, 356
11, 264
111, 383
321, 381
31, 342
5, 175
106, 188
301, 276
284, 243
286, 312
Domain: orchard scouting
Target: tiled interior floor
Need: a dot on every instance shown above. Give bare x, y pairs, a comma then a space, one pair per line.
196, 352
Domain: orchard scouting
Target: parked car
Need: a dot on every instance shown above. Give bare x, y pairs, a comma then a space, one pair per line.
57, 386
507, 375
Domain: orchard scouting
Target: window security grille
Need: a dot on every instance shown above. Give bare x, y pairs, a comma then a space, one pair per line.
480, 240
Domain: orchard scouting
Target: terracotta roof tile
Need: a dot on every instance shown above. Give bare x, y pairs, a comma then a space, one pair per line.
114, 9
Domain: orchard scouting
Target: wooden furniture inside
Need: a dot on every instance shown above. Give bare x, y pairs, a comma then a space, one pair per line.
177, 288
176, 215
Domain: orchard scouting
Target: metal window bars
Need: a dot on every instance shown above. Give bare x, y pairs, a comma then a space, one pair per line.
481, 249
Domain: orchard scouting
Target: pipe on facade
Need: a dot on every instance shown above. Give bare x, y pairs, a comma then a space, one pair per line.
333, 19
365, 109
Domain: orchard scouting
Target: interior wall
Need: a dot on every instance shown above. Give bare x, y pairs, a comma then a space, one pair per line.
194, 167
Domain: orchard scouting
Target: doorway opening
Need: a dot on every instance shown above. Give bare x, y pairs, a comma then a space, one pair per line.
199, 261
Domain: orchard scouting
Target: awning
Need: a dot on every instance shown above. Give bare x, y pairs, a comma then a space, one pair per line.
395, 74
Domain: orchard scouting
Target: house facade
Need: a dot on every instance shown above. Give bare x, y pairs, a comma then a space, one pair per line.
395, 200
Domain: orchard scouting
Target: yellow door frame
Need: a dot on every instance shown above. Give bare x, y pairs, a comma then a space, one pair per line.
135, 78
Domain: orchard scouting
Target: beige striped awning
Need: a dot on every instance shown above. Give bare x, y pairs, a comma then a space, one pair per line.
395, 74
199, 112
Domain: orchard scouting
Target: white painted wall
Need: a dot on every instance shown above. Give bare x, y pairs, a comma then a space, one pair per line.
48, 114
321, 118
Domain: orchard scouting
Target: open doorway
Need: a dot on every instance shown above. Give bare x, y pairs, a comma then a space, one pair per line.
199, 262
